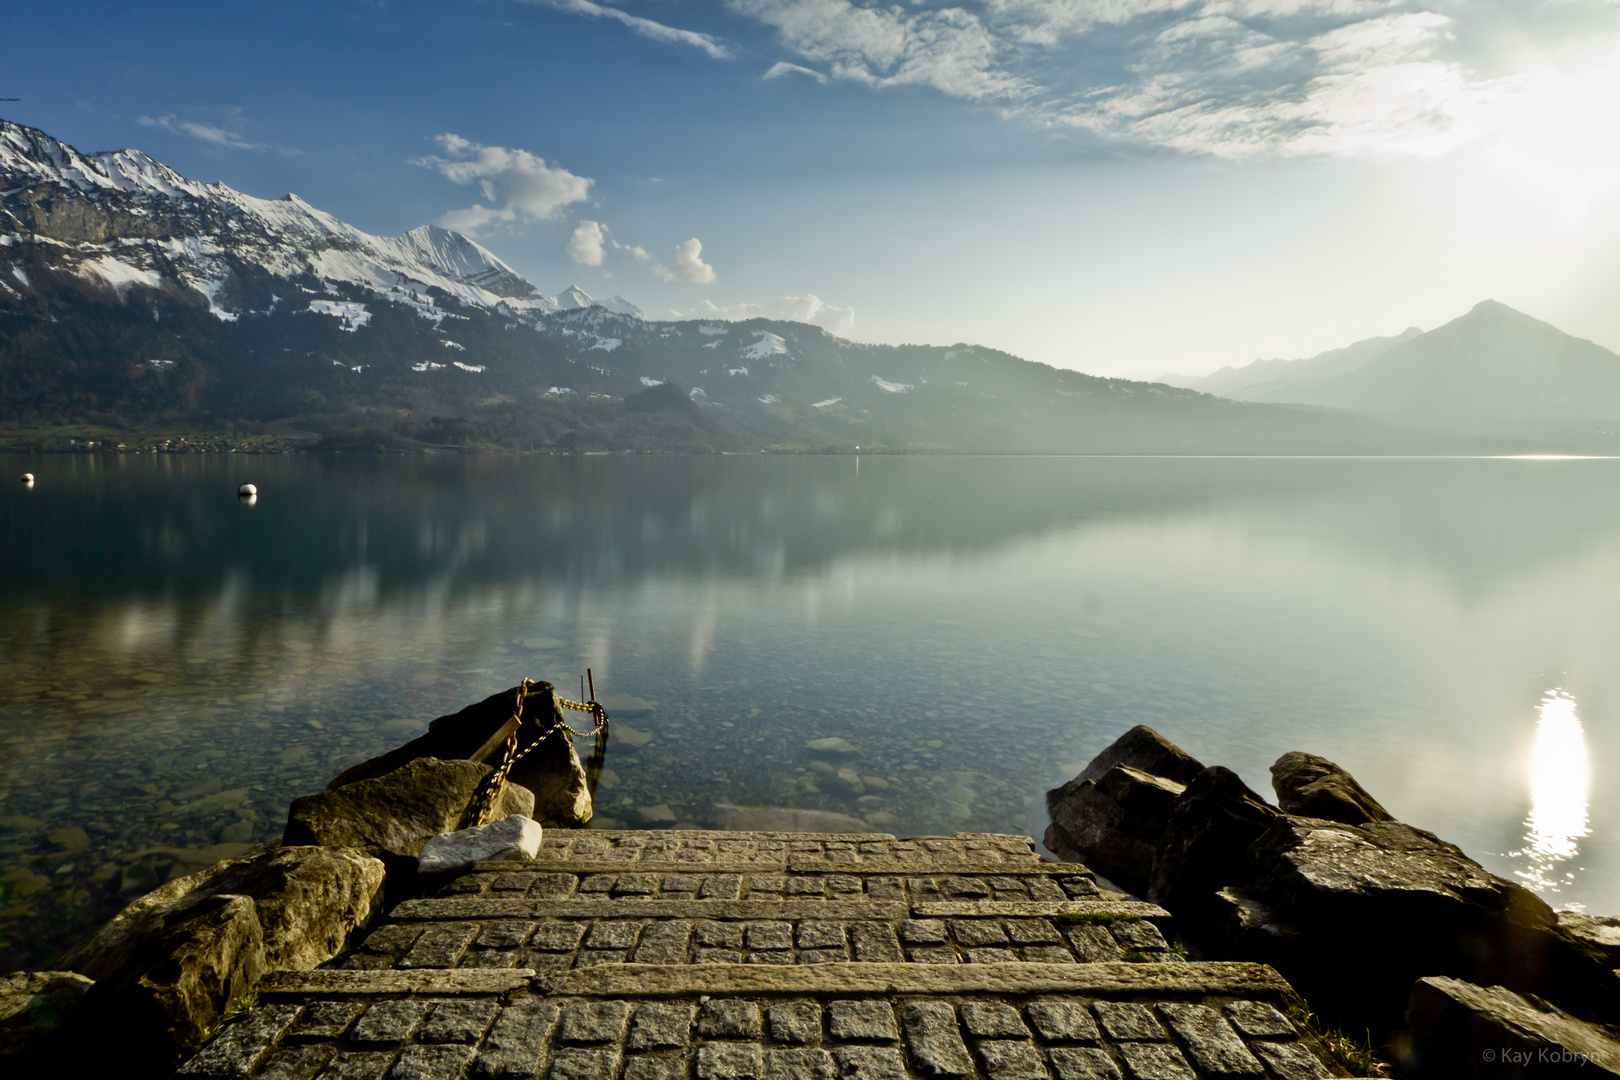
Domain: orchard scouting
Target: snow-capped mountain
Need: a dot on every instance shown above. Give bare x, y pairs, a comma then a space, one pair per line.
124, 218
133, 296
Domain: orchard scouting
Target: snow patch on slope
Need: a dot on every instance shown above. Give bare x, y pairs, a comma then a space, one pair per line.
117, 273
767, 344
353, 313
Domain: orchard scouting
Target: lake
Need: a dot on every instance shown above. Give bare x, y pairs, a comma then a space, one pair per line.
178, 664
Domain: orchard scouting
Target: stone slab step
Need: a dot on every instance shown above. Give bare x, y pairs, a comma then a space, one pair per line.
675, 980
429, 982
795, 864
484, 907
448, 908
1114, 980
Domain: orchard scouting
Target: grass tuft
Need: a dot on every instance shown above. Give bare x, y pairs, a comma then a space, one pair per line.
1355, 1055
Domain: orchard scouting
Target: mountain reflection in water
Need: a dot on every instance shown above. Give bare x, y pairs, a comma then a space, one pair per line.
179, 664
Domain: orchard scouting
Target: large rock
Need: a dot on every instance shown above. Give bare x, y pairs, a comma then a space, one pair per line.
1459, 1031
394, 814
1353, 914
552, 771
310, 902
1312, 786
35, 1010
1114, 824
168, 964
1208, 845
1113, 815
174, 986
1144, 749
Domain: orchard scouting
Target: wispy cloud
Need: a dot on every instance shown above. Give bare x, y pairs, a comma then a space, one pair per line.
518, 187
1230, 78
782, 68
689, 265
208, 133
647, 28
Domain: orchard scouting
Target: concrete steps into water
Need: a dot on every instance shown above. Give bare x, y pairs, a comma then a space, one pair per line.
770, 956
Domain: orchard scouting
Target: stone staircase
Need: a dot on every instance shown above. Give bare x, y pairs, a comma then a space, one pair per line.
770, 956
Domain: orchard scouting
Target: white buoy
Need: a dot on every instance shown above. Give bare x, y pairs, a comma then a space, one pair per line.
246, 490
28, 478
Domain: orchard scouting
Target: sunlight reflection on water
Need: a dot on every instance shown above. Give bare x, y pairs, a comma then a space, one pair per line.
1559, 778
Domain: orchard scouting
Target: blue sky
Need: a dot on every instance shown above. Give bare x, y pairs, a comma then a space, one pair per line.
1118, 186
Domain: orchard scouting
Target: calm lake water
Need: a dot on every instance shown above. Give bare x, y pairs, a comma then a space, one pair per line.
177, 665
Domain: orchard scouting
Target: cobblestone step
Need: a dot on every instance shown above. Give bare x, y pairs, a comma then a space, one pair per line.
767, 956
995, 1023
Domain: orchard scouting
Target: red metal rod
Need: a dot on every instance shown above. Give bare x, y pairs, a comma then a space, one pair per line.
592, 682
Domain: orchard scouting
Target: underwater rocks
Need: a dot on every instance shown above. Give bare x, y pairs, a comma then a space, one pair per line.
784, 819
1352, 912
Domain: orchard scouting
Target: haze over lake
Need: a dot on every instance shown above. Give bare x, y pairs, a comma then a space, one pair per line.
179, 665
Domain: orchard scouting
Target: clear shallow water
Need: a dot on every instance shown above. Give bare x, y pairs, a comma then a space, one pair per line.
176, 666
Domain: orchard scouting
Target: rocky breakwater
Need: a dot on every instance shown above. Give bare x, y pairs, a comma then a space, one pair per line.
155, 981
1381, 925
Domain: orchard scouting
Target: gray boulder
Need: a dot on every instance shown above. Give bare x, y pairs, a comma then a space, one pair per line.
35, 1010
1114, 824
1459, 1031
1146, 750
394, 814
1112, 814
1353, 914
174, 986
167, 966
551, 771
1312, 786
1208, 844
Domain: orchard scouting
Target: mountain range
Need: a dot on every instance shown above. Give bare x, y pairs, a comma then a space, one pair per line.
136, 299
1493, 370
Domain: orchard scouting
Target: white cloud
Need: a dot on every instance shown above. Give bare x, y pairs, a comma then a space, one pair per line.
689, 266
949, 49
208, 133
647, 28
517, 185
585, 246
782, 67
808, 308
1229, 78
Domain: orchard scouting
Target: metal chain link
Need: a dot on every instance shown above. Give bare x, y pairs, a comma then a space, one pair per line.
513, 755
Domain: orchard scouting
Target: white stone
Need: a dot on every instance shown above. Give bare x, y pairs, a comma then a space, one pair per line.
509, 838
247, 489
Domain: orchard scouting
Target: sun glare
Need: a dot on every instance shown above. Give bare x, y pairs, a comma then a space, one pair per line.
1560, 775
1563, 142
